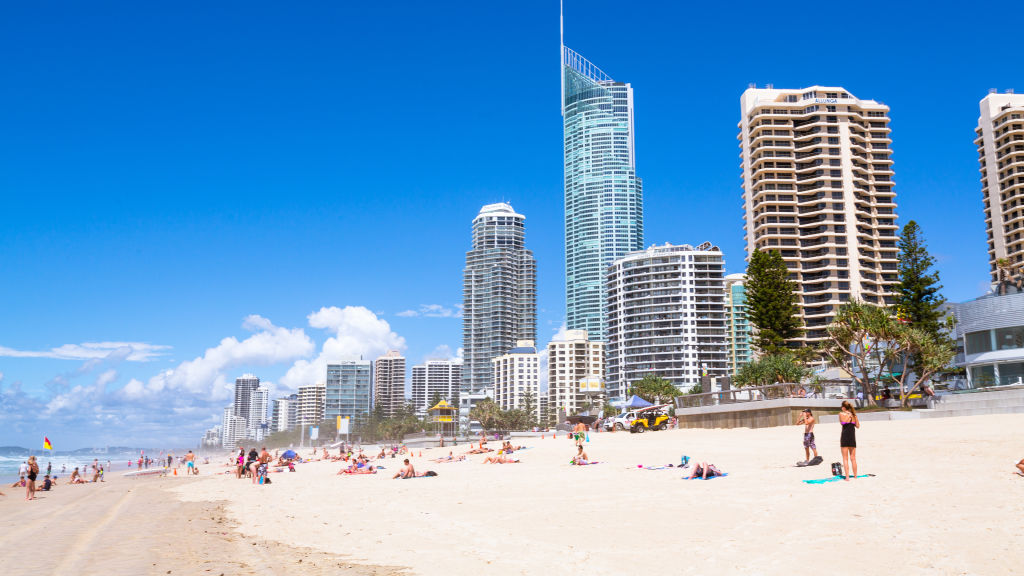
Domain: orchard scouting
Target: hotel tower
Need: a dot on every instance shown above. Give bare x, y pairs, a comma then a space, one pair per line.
1000, 142
603, 198
818, 188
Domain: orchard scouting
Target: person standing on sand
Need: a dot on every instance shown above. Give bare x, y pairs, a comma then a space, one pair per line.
808, 422
848, 438
190, 463
33, 471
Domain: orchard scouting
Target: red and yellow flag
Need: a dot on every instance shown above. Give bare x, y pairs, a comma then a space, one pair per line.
46, 444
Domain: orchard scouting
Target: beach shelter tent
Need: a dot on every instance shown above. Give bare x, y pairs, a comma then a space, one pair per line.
444, 418
288, 454
637, 402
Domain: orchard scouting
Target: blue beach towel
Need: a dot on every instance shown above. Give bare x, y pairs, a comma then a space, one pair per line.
833, 479
708, 478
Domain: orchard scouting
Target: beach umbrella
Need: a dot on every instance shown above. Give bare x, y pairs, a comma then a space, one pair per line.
288, 454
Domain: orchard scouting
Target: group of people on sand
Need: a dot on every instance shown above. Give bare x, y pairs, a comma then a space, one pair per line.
849, 422
255, 465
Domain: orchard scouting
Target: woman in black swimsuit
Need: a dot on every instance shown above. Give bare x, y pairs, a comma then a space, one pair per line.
848, 439
33, 471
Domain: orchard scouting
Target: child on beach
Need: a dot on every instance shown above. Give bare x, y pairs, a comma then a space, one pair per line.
808, 423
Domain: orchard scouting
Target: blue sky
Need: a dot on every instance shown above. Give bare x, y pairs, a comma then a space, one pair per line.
253, 187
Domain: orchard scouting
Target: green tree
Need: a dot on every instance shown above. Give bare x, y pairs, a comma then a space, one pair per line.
917, 294
772, 369
771, 302
435, 399
654, 389
530, 407
487, 413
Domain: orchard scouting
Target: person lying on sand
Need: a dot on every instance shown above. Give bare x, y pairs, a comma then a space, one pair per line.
499, 459
1020, 467
407, 471
705, 470
479, 451
76, 478
350, 470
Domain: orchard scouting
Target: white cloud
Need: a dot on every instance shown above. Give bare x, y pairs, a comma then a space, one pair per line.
433, 311
358, 333
203, 375
131, 351
560, 334
444, 352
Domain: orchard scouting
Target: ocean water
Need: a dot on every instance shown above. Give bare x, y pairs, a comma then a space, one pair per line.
63, 464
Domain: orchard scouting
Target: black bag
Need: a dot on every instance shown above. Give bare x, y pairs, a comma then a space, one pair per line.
266, 481
837, 469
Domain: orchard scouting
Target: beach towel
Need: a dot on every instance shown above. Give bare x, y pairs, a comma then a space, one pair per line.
642, 467
834, 479
708, 478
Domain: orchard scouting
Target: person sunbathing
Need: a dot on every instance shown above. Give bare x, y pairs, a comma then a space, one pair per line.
705, 471
499, 459
19, 484
581, 458
350, 470
479, 451
76, 478
407, 471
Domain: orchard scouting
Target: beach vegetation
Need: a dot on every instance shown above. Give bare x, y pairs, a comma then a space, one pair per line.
870, 343
654, 389
772, 303
778, 368
492, 417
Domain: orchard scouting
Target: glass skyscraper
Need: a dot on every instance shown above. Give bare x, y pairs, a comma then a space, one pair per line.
499, 294
604, 217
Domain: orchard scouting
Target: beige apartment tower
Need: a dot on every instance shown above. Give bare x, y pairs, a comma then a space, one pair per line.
389, 383
818, 187
575, 374
1000, 141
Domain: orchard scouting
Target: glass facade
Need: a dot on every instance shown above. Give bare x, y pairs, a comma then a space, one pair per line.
349, 390
739, 325
499, 294
603, 195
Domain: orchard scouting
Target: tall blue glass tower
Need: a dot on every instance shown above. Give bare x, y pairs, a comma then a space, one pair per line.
604, 218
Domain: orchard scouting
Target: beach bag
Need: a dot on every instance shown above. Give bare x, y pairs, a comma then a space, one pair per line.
837, 469
267, 481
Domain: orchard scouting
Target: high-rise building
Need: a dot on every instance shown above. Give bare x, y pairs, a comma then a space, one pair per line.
738, 326
666, 317
517, 379
282, 413
440, 377
349, 391
1000, 143
575, 374
389, 383
604, 217
244, 387
257, 426
310, 411
818, 188
232, 428
499, 293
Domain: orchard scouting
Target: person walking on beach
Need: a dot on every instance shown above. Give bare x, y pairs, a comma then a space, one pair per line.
808, 423
848, 438
33, 471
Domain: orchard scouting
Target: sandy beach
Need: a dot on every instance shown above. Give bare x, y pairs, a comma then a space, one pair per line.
944, 500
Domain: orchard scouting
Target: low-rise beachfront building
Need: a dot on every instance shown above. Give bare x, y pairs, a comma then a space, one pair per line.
666, 317
310, 410
990, 331
517, 378
349, 392
575, 374
389, 383
435, 377
738, 325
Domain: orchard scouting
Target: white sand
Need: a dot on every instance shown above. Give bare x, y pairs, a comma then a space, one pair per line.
945, 501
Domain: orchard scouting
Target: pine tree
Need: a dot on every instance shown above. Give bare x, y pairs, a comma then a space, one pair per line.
917, 294
771, 302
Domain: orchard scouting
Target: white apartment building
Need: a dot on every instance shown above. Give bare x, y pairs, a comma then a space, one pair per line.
311, 403
516, 374
232, 428
575, 374
1000, 142
282, 415
389, 383
442, 377
818, 188
257, 426
666, 317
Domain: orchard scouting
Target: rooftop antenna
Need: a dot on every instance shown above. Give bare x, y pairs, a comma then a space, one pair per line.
561, 52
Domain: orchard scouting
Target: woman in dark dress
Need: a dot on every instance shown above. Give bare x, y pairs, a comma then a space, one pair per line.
848, 438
